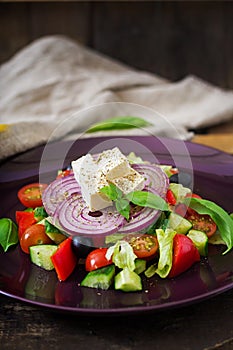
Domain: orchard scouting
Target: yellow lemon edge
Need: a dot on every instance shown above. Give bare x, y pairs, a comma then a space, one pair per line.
3, 127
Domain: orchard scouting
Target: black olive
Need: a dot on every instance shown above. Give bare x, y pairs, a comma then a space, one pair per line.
182, 178
174, 178
82, 246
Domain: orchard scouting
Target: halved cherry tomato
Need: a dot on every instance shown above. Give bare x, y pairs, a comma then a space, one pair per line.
174, 171
170, 197
145, 246
34, 235
201, 222
185, 254
64, 173
64, 259
24, 220
97, 259
31, 195
192, 195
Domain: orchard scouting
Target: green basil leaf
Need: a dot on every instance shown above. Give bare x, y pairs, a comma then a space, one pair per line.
123, 207
147, 199
222, 219
50, 227
8, 233
112, 192
40, 213
115, 123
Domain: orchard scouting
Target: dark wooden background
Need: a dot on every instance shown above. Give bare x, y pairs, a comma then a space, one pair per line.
171, 39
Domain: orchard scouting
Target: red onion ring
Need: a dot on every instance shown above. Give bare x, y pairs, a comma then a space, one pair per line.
73, 216
62, 199
58, 191
155, 177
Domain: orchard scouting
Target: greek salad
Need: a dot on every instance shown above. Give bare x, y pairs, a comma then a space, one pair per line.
119, 216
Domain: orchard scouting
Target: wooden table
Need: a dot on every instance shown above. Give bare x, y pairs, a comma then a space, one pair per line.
220, 137
206, 325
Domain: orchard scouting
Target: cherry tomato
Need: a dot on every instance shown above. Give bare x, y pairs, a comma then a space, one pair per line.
185, 254
144, 246
64, 173
170, 197
34, 235
192, 195
30, 195
97, 259
174, 171
201, 222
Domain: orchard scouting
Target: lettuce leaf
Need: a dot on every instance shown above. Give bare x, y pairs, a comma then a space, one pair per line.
122, 255
179, 191
164, 265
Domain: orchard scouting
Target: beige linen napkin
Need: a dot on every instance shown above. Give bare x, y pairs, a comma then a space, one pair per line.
44, 87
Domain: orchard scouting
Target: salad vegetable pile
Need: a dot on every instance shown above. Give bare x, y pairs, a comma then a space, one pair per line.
121, 217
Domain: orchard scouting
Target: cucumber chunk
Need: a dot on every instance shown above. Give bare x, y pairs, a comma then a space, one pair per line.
101, 278
56, 237
128, 281
179, 224
53, 233
140, 266
200, 240
40, 255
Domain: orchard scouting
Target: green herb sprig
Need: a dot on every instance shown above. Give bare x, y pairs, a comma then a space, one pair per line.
140, 198
118, 123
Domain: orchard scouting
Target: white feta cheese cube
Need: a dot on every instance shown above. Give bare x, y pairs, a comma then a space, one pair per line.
91, 180
83, 167
131, 182
113, 164
91, 192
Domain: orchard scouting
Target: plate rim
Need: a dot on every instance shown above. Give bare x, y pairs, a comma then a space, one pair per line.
138, 309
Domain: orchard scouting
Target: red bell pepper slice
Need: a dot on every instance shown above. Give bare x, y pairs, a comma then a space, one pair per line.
24, 220
170, 197
185, 254
64, 259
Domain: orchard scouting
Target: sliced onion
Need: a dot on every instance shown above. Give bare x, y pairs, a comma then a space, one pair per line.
59, 190
73, 216
63, 200
142, 219
155, 177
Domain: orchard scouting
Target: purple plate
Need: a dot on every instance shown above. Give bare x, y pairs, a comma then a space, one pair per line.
212, 172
